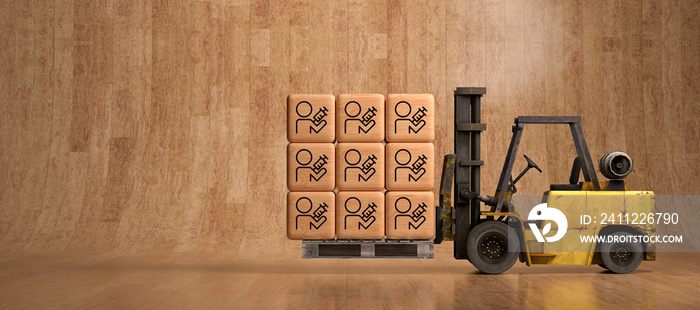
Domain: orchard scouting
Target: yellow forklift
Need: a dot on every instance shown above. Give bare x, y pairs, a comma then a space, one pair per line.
492, 240
583, 213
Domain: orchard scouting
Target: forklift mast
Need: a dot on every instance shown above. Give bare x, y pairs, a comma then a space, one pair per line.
467, 148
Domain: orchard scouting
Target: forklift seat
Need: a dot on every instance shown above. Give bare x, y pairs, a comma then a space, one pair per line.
573, 179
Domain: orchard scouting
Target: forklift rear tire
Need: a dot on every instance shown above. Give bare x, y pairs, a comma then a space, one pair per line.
621, 257
488, 247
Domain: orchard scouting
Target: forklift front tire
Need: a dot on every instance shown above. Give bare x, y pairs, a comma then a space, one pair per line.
492, 247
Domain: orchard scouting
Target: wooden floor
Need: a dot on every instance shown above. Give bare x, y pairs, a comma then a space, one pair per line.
288, 282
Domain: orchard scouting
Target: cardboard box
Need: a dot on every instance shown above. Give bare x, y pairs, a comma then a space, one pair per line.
360, 166
310, 167
311, 118
410, 215
410, 118
410, 166
360, 215
310, 215
360, 118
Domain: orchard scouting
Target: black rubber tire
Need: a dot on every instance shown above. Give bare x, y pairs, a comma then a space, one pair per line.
504, 235
631, 256
603, 266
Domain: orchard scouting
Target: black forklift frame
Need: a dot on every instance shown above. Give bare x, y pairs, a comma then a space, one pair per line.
467, 163
574, 122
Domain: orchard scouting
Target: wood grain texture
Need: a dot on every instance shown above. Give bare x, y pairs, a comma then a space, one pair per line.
287, 281
157, 126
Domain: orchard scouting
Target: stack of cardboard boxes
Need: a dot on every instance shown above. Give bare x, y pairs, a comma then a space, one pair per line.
361, 187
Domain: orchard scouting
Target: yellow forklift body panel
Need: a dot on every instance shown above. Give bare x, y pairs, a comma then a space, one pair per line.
601, 206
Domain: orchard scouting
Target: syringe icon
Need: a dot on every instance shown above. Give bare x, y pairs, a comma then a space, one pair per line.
320, 115
371, 208
369, 162
420, 161
322, 208
422, 111
320, 162
419, 210
369, 115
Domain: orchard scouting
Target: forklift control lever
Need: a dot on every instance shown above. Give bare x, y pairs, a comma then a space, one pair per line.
469, 194
487, 200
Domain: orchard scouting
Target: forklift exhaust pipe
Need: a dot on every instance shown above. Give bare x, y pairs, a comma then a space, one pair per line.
616, 165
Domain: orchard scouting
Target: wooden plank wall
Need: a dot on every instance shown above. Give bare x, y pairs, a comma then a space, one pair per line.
157, 126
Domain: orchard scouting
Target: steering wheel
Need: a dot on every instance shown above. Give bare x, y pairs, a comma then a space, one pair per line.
531, 163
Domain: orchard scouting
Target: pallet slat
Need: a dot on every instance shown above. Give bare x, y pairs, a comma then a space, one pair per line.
367, 249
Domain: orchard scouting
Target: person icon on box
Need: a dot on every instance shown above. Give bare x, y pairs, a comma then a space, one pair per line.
413, 123
364, 219
413, 171
365, 171
411, 220
364, 124
315, 124
315, 171
315, 219
410, 118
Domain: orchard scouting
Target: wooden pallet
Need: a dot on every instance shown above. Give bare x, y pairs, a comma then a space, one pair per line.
367, 249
